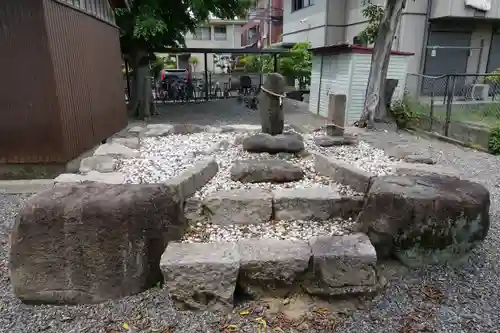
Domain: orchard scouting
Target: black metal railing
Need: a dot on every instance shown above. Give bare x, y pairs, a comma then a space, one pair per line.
448, 103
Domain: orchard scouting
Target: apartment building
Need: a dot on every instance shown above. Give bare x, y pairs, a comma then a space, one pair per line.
265, 24
215, 34
446, 36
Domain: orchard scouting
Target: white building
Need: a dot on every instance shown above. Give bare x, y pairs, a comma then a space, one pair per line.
446, 36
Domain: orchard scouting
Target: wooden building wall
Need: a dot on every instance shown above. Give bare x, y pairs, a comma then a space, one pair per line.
61, 90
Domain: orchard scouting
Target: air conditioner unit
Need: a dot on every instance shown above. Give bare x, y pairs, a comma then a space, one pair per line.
478, 92
484, 5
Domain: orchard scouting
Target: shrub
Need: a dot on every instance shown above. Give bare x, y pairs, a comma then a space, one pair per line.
403, 113
494, 141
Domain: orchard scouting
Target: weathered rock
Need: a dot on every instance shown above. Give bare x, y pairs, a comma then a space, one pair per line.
265, 143
158, 130
132, 143
195, 177
260, 171
425, 219
87, 243
188, 129
92, 176
316, 203
239, 206
201, 276
330, 141
412, 169
343, 173
116, 149
101, 163
271, 107
243, 128
342, 265
423, 159
135, 130
270, 267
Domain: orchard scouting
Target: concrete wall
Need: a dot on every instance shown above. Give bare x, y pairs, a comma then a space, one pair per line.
233, 33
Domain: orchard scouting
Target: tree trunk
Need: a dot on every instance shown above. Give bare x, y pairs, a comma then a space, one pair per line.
141, 100
375, 107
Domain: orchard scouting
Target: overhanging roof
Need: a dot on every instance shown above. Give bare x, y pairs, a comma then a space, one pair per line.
119, 3
221, 50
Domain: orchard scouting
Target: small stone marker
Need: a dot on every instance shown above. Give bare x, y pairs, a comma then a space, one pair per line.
271, 106
336, 115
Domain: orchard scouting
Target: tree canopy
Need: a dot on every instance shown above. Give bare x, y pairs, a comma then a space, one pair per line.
150, 25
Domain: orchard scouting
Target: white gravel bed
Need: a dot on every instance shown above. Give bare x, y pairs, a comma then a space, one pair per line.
202, 232
165, 157
362, 155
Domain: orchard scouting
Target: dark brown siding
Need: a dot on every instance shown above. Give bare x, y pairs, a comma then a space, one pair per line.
61, 88
29, 113
87, 66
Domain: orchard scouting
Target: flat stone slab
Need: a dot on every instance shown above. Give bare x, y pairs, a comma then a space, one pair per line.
343, 172
172, 129
239, 206
423, 159
201, 276
92, 176
265, 171
270, 267
158, 130
315, 203
330, 141
100, 163
243, 128
195, 177
412, 169
425, 220
132, 143
342, 265
281, 143
19, 186
117, 150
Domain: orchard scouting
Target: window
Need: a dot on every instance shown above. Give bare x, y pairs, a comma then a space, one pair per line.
220, 33
299, 4
202, 33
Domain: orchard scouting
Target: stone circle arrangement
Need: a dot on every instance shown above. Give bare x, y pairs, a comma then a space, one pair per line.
210, 211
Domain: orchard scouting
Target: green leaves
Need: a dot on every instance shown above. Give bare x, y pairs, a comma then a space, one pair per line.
151, 25
374, 14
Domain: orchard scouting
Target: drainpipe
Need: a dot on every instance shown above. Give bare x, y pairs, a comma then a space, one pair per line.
426, 36
424, 44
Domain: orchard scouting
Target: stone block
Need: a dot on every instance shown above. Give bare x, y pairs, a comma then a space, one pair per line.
343, 172
92, 176
195, 177
336, 115
270, 267
117, 150
88, 243
267, 170
342, 265
412, 169
315, 203
132, 143
239, 206
101, 163
201, 276
271, 107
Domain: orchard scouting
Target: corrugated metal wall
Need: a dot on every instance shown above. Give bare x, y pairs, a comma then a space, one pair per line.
29, 127
61, 91
87, 66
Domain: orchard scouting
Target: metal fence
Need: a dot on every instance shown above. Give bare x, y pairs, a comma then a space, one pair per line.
452, 104
199, 88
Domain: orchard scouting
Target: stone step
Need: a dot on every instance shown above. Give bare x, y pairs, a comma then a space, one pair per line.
250, 206
205, 276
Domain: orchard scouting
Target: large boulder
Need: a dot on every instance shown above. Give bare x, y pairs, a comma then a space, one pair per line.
87, 243
266, 143
270, 170
425, 219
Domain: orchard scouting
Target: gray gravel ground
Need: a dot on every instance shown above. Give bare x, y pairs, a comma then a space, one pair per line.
458, 299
